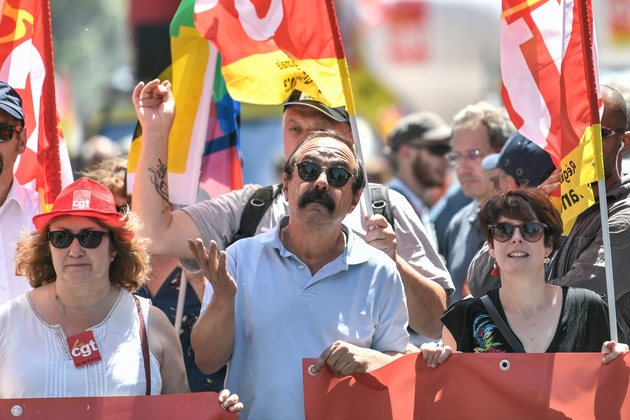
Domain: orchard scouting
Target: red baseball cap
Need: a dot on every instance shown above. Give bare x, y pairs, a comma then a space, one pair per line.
84, 197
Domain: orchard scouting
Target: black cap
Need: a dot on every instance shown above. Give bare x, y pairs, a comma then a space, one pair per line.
298, 97
10, 101
422, 125
523, 159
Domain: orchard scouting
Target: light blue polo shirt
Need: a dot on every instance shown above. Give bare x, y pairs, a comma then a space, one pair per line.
284, 314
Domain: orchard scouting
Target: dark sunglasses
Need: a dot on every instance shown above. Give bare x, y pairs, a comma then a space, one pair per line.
6, 132
434, 149
531, 231
309, 172
607, 132
87, 238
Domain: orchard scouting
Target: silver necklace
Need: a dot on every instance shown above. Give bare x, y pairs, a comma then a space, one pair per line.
62, 308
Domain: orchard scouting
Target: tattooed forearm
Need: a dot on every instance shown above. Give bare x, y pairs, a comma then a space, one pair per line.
159, 182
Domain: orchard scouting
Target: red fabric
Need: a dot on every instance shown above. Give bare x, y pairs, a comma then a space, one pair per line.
473, 386
304, 30
199, 405
26, 62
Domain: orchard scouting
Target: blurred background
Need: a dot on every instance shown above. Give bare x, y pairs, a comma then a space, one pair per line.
404, 56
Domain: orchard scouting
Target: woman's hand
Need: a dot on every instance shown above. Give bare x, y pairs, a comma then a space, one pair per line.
612, 350
230, 402
435, 353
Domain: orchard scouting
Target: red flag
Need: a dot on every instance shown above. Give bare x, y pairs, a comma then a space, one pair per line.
271, 48
551, 91
26, 63
198, 405
474, 386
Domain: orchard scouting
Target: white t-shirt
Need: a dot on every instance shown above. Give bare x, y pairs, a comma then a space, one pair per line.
16, 215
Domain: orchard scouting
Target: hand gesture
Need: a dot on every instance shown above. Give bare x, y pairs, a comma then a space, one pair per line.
612, 350
155, 105
435, 353
215, 270
230, 402
346, 359
380, 234
552, 183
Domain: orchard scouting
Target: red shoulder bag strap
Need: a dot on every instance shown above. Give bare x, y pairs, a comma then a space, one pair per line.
145, 346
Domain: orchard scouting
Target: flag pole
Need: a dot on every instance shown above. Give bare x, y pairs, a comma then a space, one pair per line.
349, 99
586, 20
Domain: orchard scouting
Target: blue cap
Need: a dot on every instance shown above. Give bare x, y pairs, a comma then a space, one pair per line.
523, 159
10, 101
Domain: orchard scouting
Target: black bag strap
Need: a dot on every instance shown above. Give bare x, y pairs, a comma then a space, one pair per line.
144, 343
255, 209
379, 194
500, 323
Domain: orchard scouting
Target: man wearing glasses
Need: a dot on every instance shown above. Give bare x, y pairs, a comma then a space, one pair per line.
426, 281
18, 204
307, 288
418, 146
478, 131
579, 262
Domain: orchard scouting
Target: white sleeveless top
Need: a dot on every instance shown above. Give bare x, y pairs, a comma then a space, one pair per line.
35, 361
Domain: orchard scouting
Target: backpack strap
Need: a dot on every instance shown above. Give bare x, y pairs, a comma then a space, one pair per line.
501, 325
255, 209
380, 201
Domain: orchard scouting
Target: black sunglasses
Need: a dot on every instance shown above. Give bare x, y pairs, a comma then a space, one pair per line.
309, 172
531, 231
607, 132
6, 132
434, 149
87, 238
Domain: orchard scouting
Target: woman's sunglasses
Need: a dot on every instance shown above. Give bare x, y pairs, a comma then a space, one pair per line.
309, 172
531, 231
87, 238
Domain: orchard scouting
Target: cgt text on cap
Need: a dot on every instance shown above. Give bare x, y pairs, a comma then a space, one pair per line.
10, 101
298, 97
422, 125
522, 159
84, 197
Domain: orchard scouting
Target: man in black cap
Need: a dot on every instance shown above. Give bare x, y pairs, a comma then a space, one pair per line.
520, 164
418, 146
18, 204
425, 278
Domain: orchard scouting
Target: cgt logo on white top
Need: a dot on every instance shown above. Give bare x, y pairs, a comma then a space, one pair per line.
81, 200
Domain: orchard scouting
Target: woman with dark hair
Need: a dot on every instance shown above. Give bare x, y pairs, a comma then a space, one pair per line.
522, 229
80, 331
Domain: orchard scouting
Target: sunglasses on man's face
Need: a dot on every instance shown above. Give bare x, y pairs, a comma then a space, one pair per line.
87, 238
607, 132
6, 132
309, 172
531, 231
434, 149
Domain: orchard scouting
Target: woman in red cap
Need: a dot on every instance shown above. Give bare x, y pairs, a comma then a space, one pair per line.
81, 332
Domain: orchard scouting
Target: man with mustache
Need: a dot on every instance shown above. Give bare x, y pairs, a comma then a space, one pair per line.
308, 288
18, 204
427, 283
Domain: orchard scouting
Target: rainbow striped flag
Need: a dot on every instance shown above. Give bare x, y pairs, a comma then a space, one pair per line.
204, 148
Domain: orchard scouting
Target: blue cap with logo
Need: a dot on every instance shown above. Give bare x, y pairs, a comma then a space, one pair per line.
523, 159
10, 101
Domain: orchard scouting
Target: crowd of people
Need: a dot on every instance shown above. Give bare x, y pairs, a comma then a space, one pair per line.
91, 286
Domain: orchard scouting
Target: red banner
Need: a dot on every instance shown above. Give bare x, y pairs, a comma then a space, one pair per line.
195, 406
475, 386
